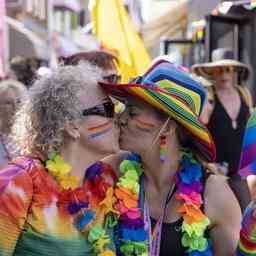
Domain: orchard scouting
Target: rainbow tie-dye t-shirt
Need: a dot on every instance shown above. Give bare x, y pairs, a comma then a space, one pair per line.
33, 220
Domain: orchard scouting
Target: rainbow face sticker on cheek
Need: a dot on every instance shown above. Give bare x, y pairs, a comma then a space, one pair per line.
143, 125
100, 130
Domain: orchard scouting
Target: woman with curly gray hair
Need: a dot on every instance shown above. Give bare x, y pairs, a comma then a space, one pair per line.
53, 201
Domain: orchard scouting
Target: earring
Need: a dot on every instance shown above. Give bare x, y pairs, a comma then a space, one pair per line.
163, 148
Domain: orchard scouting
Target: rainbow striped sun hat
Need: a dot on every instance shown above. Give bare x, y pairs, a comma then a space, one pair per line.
248, 155
171, 89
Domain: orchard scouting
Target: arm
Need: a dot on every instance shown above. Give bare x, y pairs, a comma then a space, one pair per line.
15, 197
224, 212
247, 242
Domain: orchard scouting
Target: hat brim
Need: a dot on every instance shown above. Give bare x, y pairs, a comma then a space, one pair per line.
207, 69
173, 106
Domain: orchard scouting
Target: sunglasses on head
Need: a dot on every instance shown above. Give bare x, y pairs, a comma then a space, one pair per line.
114, 79
106, 109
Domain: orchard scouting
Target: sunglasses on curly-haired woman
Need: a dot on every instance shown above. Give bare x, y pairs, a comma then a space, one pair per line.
106, 109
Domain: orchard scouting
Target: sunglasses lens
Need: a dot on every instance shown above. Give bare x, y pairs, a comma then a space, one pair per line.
106, 109
109, 109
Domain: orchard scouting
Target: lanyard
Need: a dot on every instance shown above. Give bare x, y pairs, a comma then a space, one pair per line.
155, 234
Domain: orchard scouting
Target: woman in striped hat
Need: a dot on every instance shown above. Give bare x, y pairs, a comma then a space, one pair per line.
168, 203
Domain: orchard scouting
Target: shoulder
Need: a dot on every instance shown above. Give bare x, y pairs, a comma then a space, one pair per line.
219, 199
19, 173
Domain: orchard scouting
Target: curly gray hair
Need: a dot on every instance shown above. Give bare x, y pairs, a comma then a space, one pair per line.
52, 102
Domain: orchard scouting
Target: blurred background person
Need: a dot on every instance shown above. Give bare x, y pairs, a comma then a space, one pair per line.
11, 94
232, 104
105, 60
102, 59
24, 69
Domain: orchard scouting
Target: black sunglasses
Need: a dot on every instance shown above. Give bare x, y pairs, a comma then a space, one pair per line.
106, 109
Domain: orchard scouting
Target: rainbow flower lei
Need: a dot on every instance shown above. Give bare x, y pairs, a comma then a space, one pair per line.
105, 203
195, 223
132, 236
92, 204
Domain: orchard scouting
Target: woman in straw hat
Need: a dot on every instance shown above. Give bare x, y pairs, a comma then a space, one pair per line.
231, 109
168, 203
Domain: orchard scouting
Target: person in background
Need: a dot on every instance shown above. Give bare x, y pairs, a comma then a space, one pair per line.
102, 59
24, 69
54, 199
167, 197
11, 94
232, 104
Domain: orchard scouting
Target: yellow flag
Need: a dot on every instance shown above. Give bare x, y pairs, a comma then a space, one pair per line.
116, 32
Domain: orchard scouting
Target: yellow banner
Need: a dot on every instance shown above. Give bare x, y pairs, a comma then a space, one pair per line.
116, 32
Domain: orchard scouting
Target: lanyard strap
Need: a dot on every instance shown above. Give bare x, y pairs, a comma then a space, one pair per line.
155, 234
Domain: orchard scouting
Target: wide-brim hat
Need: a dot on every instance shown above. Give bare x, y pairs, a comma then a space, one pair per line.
248, 154
221, 58
170, 89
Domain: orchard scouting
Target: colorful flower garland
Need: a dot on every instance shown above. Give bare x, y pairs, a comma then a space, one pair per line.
188, 181
91, 204
132, 237
99, 205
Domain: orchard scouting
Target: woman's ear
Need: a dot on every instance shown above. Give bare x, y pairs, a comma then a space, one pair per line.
72, 130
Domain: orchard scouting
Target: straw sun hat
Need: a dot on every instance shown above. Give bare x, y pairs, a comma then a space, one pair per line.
221, 58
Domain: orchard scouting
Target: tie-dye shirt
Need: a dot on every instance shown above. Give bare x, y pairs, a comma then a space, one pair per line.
33, 219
